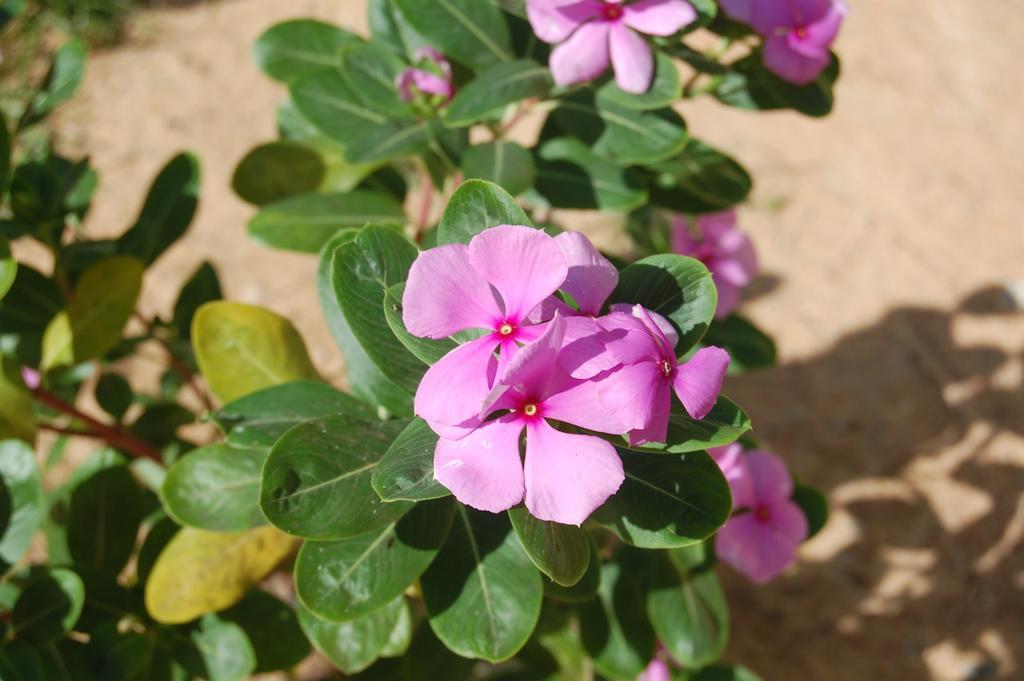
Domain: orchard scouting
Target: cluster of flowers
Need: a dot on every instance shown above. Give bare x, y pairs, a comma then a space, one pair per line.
797, 33
430, 79
727, 252
539, 362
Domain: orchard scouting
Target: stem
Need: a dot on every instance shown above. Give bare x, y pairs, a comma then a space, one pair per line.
180, 368
521, 113
115, 436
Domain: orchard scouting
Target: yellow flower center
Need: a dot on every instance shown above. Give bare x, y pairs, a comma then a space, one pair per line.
505, 329
530, 410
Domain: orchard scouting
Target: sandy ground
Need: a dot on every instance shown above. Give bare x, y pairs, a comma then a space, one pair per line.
899, 389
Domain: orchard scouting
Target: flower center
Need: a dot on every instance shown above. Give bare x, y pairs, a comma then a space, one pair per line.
801, 32
612, 11
530, 409
506, 329
666, 368
763, 513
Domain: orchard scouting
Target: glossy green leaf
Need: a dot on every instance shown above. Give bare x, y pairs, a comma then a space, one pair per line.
167, 212
8, 268
349, 578
24, 493
497, 87
626, 136
353, 645
570, 175
749, 348
469, 31
216, 488
273, 629
562, 552
675, 286
391, 30
306, 222
371, 71
406, 471
667, 501
104, 301
427, 350
363, 270
48, 607
749, 85
104, 518
367, 381
506, 164
17, 406
688, 612
401, 634
278, 170
291, 49
814, 505
583, 590
666, 88
201, 288
699, 180
114, 394
475, 206
722, 425
258, 419
316, 481
243, 348
224, 648
482, 593
614, 629
62, 81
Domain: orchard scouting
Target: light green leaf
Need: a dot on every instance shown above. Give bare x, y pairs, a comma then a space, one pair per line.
291, 49
427, 350
167, 212
496, 88
475, 206
273, 629
470, 31
506, 164
17, 406
215, 488
225, 649
562, 552
354, 645
23, 492
62, 81
8, 267
406, 471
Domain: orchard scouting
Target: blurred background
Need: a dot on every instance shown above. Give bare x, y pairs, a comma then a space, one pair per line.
893, 258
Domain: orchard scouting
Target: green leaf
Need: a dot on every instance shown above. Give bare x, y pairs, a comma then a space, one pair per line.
722, 425
202, 287
8, 268
749, 348
469, 31
666, 88
814, 505
273, 629
6, 147
506, 164
277, 170
583, 590
667, 501
362, 270
406, 471
688, 612
17, 406
225, 649
426, 350
371, 71
114, 394
104, 301
475, 206
676, 287
428, 659
349, 578
368, 382
496, 88
29, 306
390, 29
482, 593
614, 628
243, 348
23, 492
570, 175
61, 83
316, 481
562, 552
19, 661
749, 85
306, 222
167, 211
401, 635
48, 607
699, 180
724, 672
626, 136
216, 488
291, 49
104, 518
258, 419
353, 645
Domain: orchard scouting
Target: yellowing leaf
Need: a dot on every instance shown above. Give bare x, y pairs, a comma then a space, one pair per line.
200, 572
243, 348
17, 415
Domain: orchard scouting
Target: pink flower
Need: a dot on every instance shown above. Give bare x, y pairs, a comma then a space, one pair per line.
565, 476
761, 542
725, 251
797, 33
434, 78
591, 33
639, 392
32, 378
657, 670
493, 284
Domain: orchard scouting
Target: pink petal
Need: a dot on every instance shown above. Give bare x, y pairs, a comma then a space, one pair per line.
431, 83
754, 548
789, 520
534, 365
683, 242
664, 325
728, 298
698, 381
781, 59
659, 17
445, 295
740, 10
579, 403
453, 390
769, 476
555, 21
733, 463
524, 264
657, 670
635, 393
585, 352
583, 57
483, 469
824, 31
739, 264
767, 17
713, 226
655, 329
633, 59
568, 476
627, 338
657, 429
591, 278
